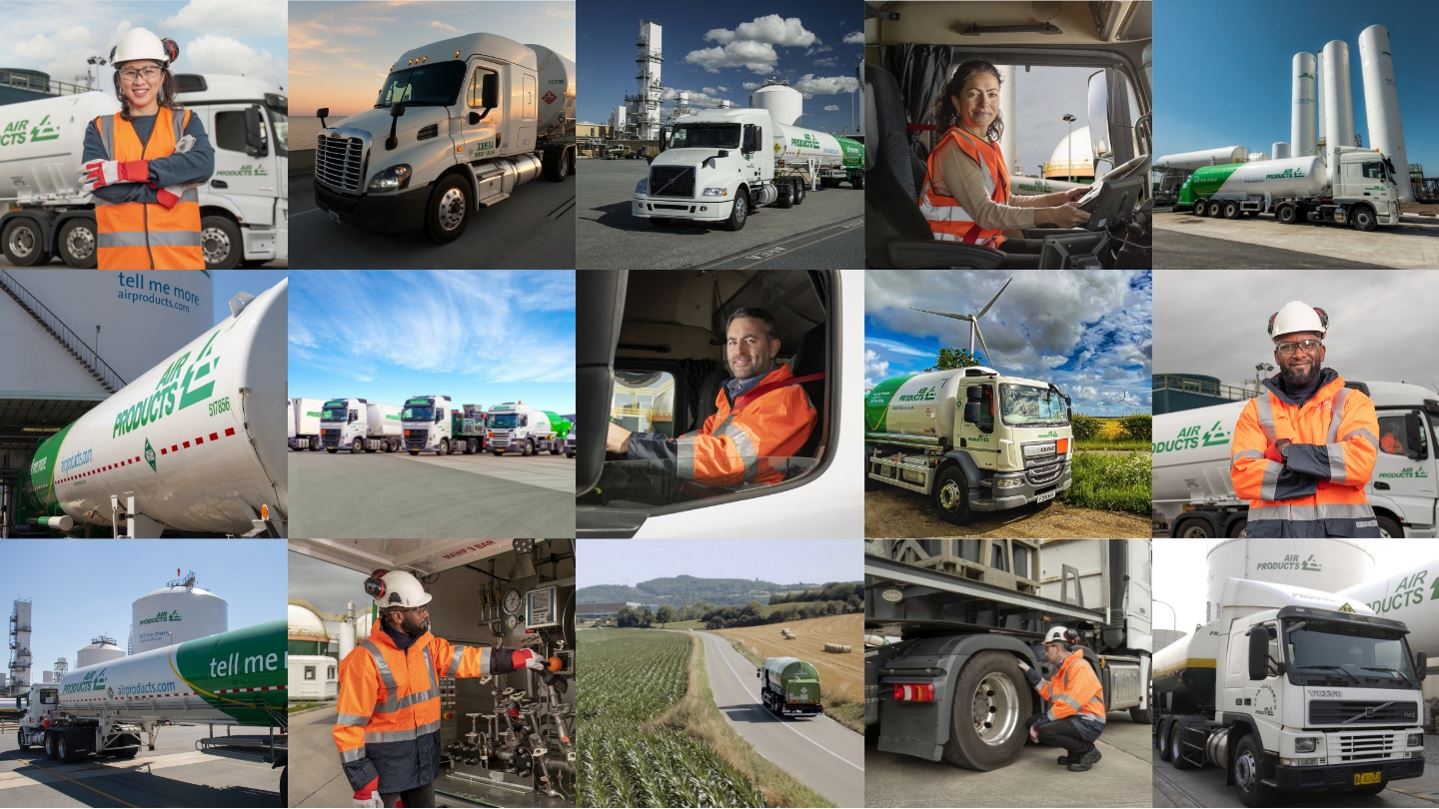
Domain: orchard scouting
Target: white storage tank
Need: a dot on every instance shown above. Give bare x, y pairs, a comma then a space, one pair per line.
307, 634
1326, 565
1302, 107
100, 650
1381, 104
785, 104
1204, 157
177, 612
1338, 120
1073, 157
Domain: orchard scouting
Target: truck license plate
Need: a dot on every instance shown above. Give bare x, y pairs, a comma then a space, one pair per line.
1367, 778
1049, 495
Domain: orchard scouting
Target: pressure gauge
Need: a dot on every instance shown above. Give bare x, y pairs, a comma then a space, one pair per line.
513, 601
511, 621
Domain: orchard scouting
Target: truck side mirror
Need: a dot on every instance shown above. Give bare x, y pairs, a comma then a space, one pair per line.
1414, 428
255, 145
322, 113
665, 133
396, 110
1421, 665
1258, 653
973, 394
490, 90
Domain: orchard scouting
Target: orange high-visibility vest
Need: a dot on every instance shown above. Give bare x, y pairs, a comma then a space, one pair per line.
1073, 691
749, 442
146, 236
387, 722
947, 218
1320, 489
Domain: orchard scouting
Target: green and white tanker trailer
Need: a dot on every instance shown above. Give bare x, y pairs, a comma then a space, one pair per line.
1361, 193
789, 686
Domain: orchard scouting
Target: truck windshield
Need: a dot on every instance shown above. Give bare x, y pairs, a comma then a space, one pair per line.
436, 85
1032, 406
1335, 651
418, 413
705, 136
333, 414
504, 421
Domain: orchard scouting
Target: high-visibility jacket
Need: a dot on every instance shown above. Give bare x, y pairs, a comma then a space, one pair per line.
140, 235
1318, 490
947, 218
387, 722
749, 441
1074, 690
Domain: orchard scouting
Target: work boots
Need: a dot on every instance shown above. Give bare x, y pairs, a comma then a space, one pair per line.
1081, 762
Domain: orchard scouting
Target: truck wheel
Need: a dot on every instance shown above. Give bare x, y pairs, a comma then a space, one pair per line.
1213, 208
1244, 769
77, 243
220, 239
801, 190
1287, 214
1199, 208
1388, 528
357, 446
332, 450
1176, 751
991, 701
660, 221
444, 446
555, 163
528, 449
64, 751
1231, 210
555, 448
1141, 716
24, 243
50, 747
20, 740
1195, 528
787, 194
448, 210
315, 444
857, 180
951, 495
1363, 219
1161, 740
739, 213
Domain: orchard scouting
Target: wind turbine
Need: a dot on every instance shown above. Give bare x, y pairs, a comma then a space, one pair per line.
974, 330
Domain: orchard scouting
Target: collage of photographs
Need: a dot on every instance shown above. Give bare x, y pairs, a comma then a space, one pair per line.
887, 321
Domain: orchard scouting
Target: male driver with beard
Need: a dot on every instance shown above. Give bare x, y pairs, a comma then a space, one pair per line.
1304, 450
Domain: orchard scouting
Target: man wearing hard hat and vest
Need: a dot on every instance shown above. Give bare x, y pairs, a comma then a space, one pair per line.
1076, 714
762, 415
1304, 449
144, 163
387, 723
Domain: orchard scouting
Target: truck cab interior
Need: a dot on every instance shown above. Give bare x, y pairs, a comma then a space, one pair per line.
650, 352
911, 49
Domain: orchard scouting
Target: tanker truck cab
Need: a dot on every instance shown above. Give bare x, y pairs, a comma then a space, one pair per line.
426, 422
971, 439
717, 166
517, 427
340, 422
457, 126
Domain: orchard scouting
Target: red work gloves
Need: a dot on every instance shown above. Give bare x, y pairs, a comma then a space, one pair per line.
100, 173
525, 658
368, 796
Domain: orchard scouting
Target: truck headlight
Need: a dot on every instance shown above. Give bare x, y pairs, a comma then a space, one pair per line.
1305, 744
642, 187
716, 192
394, 178
1416, 740
1008, 483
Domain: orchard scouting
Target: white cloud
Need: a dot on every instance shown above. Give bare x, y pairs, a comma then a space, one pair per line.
444, 26
875, 368
698, 98
810, 84
756, 57
219, 54
251, 17
831, 108
714, 91
827, 61
74, 35
786, 32
750, 85
854, 38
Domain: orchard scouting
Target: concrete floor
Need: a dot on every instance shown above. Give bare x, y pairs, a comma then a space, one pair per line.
1413, 243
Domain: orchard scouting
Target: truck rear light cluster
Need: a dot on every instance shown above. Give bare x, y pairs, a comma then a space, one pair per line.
914, 692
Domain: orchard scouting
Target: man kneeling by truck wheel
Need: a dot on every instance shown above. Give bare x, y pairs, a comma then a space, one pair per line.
1076, 715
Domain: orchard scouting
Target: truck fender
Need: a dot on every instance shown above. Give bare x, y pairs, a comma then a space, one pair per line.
1241, 726
972, 473
461, 170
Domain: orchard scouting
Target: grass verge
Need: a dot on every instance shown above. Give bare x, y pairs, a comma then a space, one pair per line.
846, 712
1111, 481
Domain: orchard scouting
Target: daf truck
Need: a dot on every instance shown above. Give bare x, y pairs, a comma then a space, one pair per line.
458, 125
1291, 689
1361, 192
948, 621
436, 424
359, 425
244, 206
304, 424
969, 439
789, 687
517, 427
1194, 496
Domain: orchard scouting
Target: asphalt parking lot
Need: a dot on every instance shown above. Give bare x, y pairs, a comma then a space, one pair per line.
1245, 244
400, 496
824, 232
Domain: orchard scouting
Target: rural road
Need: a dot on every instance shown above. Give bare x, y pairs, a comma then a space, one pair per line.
819, 752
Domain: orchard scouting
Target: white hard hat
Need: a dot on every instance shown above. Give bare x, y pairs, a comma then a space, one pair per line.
396, 588
1297, 316
142, 43
1056, 634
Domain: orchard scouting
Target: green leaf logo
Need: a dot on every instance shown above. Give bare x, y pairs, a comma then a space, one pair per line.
150, 455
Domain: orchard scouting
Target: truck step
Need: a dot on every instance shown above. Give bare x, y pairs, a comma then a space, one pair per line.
493, 199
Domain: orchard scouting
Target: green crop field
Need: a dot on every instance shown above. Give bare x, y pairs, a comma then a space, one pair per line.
632, 677
1112, 481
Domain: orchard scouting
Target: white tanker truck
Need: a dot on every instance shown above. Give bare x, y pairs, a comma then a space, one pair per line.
359, 425
1193, 495
193, 445
244, 207
303, 427
1361, 192
970, 439
1411, 596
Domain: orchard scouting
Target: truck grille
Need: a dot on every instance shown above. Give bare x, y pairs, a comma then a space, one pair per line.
1042, 475
1355, 747
330, 437
672, 181
500, 439
1357, 712
416, 439
339, 163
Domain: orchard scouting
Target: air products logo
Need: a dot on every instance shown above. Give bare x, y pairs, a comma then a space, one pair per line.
20, 132
808, 141
246, 170
1407, 473
1191, 437
1287, 174
185, 381
924, 394
161, 617
92, 681
1292, 561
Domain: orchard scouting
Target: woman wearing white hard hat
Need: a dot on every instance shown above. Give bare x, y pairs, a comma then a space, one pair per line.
144, 163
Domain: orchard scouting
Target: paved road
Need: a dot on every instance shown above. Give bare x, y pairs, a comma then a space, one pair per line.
1264, 243
1121, 778
534, 229
315, 775
818, 751
825, 232
1178, 251
174, 774
399, 496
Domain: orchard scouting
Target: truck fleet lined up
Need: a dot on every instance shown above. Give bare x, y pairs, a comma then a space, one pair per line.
429, 423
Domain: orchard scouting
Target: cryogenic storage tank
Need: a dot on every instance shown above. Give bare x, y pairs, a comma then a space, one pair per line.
1205, 157
798, 145
1381, 104
1279, 149
1338, 120
179, 611
307, 635
1325, 565
43, 142
1302, 109
785, 104
101, 649
198, 439
1294, 177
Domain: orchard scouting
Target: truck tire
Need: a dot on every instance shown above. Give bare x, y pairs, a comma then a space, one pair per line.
802, 189
64, 750
315, 444
1245, 772
448, 209
1141, 716
444, 446
1196, 527
221, 240
357, 446
1176, 759
991, 701
1199, 208
951, 495
788, 194
857, 180
50, 746
739, 212
472, 446
1214, 209
20, 741
1389, 528
528, 449
1161, 740
76, 243
555, 164
1231, 210
24, 243
1363, 218
555, 448
1286, 213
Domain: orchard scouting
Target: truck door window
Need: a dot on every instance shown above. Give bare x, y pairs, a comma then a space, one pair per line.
50, 696
354, 416
230, 131
1271, 667
475, 96
1396, 439
1374, 170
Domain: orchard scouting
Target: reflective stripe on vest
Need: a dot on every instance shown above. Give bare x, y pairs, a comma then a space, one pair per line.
948, 220
393, 702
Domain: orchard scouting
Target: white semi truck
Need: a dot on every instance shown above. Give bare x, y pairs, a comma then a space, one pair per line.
436, 424
458, 125
1291, 689
970, 439
244, 206
359, 425
948, 621
517, 427
304, 424
1193, 494
1361, 192
1411, 596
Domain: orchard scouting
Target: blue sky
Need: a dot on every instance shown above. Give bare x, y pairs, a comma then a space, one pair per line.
1223, 69
103, 577
715, 51
230, 282
479, 336
1087, 332
783, 561
215, 36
